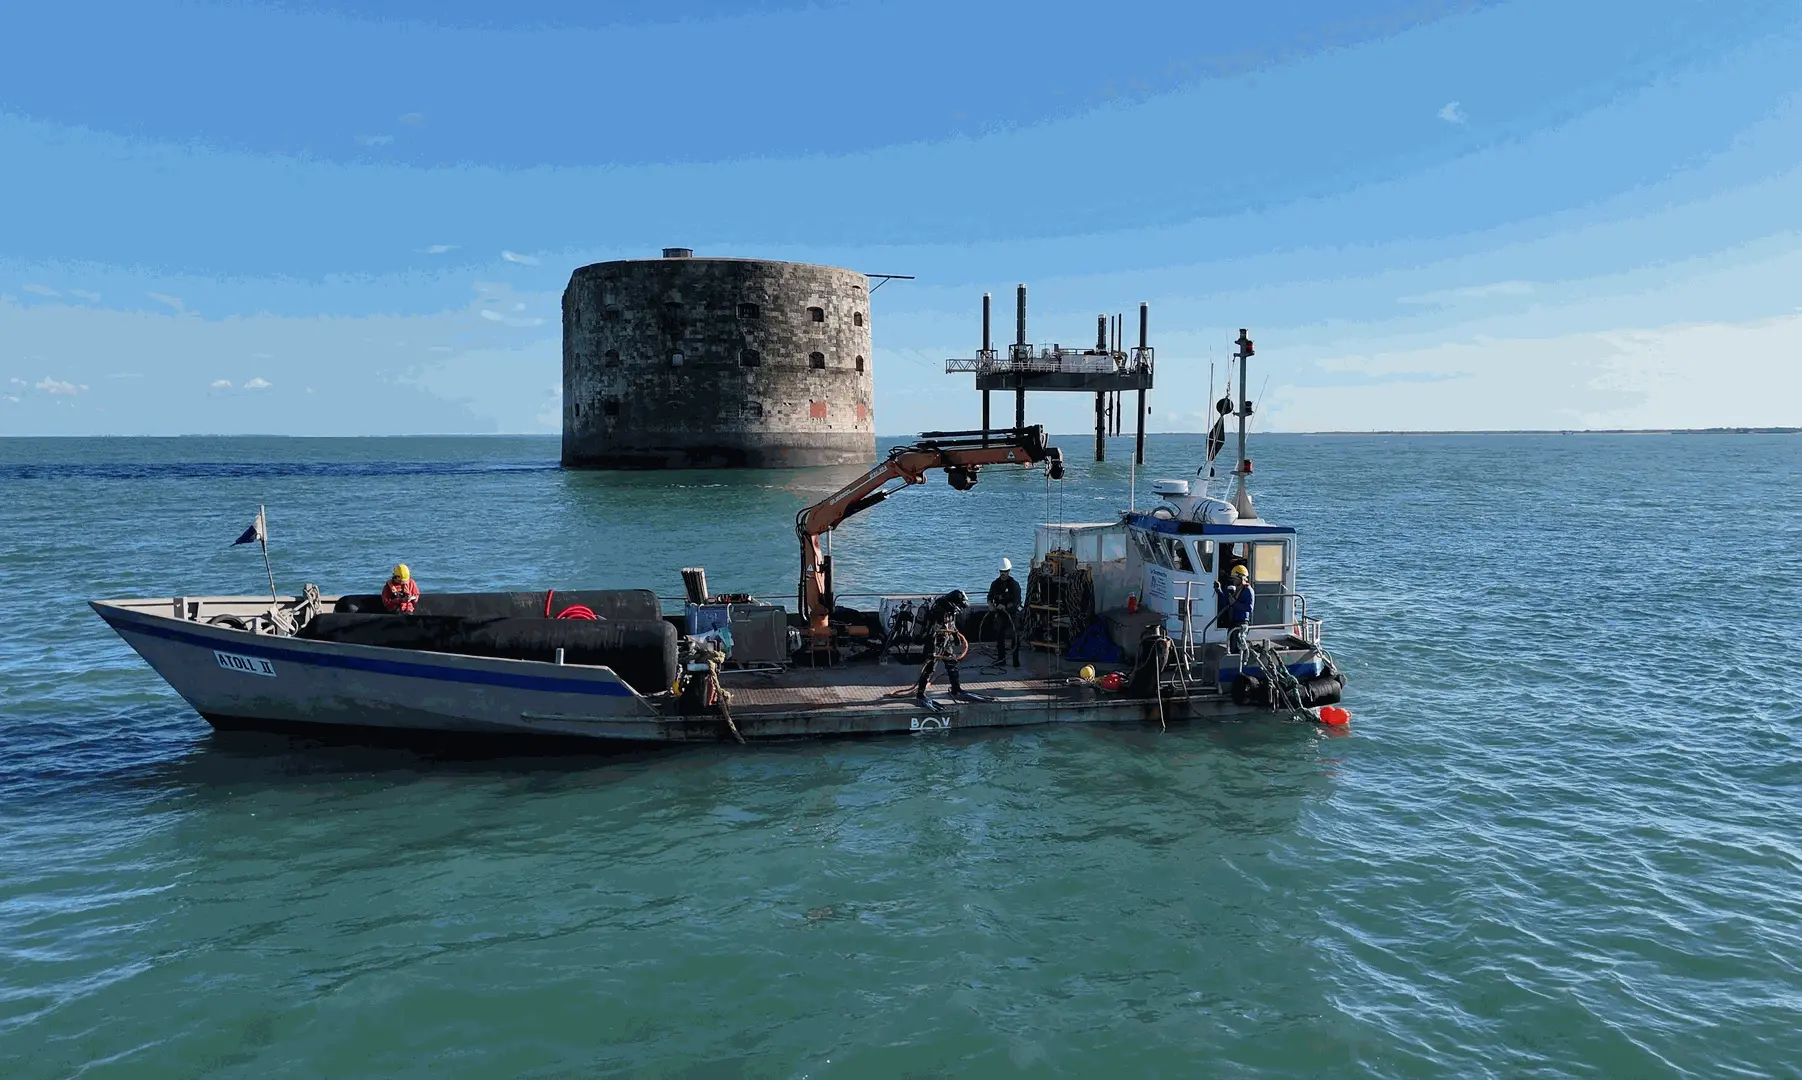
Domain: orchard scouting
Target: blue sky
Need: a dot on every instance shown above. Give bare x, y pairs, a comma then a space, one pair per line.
357, 218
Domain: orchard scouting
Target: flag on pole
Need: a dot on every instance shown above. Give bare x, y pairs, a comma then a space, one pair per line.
258, 531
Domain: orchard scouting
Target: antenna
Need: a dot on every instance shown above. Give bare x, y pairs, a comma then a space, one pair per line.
1242, 500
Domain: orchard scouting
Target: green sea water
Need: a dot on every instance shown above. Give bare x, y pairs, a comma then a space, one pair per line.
1563, 836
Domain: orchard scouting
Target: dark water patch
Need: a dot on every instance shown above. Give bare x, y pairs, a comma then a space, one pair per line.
247, 470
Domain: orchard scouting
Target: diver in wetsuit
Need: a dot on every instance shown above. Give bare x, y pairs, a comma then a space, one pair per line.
944, 644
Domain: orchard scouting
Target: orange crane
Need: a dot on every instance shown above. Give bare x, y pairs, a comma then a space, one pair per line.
962, 454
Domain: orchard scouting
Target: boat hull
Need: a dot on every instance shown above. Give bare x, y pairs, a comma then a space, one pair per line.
241, 680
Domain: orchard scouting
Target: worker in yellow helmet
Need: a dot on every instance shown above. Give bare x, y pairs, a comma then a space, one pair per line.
1233, 606
401, 593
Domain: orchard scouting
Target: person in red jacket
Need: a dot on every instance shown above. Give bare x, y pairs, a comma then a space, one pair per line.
401, 593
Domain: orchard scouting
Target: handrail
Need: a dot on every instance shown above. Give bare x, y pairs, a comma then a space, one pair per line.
1299, 613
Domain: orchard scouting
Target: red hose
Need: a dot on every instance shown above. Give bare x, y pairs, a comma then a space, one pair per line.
578, 611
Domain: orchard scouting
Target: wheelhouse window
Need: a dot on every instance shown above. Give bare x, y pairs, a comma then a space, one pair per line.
816, 360
1204, 553
1179, 556
1267, 563
1149, 549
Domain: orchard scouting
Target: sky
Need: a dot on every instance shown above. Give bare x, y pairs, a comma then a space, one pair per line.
345, 217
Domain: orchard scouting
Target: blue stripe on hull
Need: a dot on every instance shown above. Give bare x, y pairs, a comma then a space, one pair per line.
405, 668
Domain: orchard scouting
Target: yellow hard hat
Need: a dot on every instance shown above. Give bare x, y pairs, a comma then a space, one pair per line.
1237, 571
1088, 671
401, 571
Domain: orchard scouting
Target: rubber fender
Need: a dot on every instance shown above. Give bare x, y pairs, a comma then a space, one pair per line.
1252, 690
641, 651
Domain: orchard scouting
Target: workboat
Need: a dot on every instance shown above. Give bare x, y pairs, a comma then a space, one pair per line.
1121, 620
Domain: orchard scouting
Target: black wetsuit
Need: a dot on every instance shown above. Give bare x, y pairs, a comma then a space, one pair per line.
941, 646
1004, 602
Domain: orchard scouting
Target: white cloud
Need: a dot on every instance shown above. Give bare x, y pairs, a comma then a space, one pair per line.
57, 386
41, 290
412, 119
171, 301
506, 320
1452, 113
374, 140
439, 249
12, 399
15, 380
523, 260
83, 294
258, 383
1621, 378
222, 384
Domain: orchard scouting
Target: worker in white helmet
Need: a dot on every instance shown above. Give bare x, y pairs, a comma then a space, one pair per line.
1004, 605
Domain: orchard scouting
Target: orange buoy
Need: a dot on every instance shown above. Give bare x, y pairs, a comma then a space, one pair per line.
1334, 715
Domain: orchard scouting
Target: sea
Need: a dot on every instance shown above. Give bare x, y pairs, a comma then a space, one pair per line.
1561, 836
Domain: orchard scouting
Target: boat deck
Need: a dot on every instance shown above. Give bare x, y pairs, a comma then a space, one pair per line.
888, 683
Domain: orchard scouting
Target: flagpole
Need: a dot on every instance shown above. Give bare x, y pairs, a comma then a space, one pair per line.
263, 537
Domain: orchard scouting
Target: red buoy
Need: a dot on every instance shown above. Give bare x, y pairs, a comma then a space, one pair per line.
1334, 715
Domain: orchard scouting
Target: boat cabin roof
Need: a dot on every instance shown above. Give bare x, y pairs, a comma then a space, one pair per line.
1155, 522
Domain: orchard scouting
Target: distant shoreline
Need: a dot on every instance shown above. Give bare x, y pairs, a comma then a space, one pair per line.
1573, 431
1067, 434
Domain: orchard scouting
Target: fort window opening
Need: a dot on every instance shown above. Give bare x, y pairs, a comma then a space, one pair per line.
675, 359
816, 314
857, 318
817, 360
610, 406
860, 363
753, 410
578, 408
750, 358
749, 311
610, 358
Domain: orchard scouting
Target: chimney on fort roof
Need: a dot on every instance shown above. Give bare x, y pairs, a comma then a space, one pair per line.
678, 253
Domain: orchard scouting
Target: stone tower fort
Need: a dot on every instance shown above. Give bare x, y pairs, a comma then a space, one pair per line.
682, 362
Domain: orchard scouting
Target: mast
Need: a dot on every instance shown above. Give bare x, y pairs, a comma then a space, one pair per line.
1242, 498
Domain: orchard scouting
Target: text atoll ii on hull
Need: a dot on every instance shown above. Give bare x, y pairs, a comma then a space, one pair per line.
1190, 610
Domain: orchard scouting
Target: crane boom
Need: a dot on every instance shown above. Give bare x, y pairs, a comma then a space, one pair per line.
960, 453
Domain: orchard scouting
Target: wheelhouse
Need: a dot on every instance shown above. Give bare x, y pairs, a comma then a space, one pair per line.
1182, 549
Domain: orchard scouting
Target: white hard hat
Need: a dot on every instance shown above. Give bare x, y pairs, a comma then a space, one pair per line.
1007, 564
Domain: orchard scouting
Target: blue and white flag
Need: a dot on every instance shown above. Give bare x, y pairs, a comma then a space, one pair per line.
258, 531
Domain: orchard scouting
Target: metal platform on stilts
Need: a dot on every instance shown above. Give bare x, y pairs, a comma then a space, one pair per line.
1108, 370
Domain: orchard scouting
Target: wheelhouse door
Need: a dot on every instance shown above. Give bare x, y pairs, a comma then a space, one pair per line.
1270, 562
